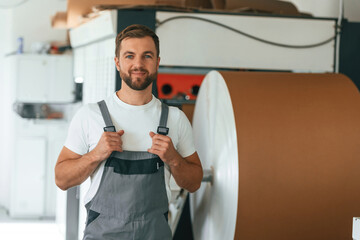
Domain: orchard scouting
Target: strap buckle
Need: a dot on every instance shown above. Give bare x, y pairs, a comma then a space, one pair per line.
109, 129
162, 130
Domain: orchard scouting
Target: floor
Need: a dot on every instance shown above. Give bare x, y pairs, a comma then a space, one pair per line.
16, 229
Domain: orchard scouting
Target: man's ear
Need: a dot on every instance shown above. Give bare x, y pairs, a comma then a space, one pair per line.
117, 63
158, 63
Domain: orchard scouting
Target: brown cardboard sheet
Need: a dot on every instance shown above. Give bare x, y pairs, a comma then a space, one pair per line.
299, 155
59, 20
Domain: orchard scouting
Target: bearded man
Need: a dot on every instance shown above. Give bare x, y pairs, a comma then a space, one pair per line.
130, 144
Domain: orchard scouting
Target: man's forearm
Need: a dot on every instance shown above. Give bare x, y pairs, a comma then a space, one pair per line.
186, 174
73, 172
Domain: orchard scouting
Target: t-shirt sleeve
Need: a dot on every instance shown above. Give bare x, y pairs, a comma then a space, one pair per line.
185, 146
77, 140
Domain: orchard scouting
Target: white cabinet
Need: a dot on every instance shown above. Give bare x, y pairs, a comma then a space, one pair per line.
32, 76
37, 146
43, 78
27, 192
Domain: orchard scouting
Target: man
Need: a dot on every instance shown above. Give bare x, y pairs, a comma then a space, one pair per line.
130, 167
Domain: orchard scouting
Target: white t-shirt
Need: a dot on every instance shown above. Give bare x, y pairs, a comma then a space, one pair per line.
87, 126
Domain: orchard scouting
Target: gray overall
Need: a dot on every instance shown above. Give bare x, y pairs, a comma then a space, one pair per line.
131, 202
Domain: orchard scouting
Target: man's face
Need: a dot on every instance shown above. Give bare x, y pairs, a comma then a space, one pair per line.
137, 62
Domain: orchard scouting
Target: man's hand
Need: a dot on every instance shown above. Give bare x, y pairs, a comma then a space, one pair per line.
164, 148
187, 171
108, 143
73, 169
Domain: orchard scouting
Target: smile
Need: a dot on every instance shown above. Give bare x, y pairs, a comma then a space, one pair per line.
138, 73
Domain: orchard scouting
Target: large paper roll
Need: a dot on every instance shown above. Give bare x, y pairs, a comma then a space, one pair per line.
285, 151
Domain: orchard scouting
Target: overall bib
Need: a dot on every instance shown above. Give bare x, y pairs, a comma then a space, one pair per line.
131, 201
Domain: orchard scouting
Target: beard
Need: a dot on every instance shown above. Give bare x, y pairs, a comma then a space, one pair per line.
138, 84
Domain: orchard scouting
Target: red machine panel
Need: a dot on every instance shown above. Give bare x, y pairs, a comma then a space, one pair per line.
178, 86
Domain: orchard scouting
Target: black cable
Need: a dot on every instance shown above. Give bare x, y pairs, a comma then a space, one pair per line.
12, 6
248, 35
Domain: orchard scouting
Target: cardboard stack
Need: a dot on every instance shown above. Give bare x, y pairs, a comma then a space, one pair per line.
77, 9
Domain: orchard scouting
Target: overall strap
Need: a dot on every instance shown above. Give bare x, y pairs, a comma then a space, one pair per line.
162, 129
106, 116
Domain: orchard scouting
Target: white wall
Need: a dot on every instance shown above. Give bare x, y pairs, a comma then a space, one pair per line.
32, 21
329, 8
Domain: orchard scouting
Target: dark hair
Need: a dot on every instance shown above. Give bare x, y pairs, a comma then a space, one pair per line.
136, 31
